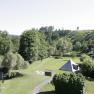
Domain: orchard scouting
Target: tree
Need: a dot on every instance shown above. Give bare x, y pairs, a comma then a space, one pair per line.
15, 42
85, 47
42, 47
32, 45
64, 45
48, 31
77, 46
51, 50
85, 57
28, 45
13, 61
55, 36
5, 42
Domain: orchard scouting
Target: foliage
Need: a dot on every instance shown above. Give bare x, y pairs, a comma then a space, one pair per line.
85, 57
64, 45
42, 47
13, 61
87, 68
1, 59
5, 42
68, 83
51, 51
73, 54
77, 46
33, 45
38, 44
82, 41
15, 42
20, 63
48, 31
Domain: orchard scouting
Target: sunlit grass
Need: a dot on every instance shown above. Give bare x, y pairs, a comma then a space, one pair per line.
89, 87
30, 79
22, 85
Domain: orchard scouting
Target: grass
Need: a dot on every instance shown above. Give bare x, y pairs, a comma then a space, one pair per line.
89, 87
89, 84
23, 85
29, 80
48, 87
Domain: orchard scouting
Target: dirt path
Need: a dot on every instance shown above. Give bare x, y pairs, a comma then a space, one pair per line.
38, 87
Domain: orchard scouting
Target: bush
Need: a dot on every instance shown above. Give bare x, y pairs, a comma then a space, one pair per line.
25, 65
68, 83
9, 60
1, 59
87, 69
13, 61
84, 57
20, 63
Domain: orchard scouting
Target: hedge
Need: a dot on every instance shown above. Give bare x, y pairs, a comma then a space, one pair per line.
68, 83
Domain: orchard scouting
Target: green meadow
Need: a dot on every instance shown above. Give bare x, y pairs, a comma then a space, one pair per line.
30, 79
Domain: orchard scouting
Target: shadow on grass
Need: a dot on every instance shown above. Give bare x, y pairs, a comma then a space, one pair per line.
47, 92
14, 75
89, 79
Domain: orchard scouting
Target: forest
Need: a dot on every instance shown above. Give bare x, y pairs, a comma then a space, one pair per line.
41, 43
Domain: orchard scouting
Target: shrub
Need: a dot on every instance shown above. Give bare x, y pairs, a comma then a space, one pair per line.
13, 61
9, 60
68, 83
25, 65
84, 57
20, 63
87, 69
1, 59
73, 54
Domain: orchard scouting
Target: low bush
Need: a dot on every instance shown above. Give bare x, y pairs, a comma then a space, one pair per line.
87, 69
85, 57
68, 83
14, 61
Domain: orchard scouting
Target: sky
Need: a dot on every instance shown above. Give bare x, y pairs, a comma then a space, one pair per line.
17, 16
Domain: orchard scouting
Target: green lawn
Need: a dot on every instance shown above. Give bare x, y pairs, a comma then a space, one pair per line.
26, 83
89, 87
22, 85
89, 84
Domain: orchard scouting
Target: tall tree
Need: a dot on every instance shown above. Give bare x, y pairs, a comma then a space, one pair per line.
64, 45
15, 42
5, 42
28, 45
42, 47
32, 45
77, 46
48, 30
